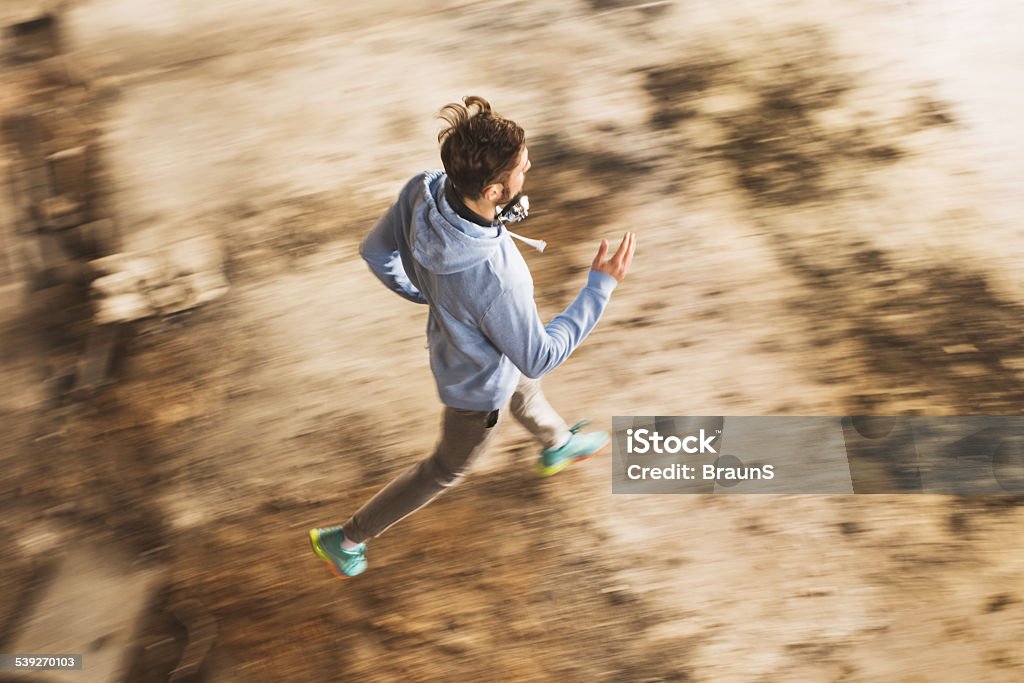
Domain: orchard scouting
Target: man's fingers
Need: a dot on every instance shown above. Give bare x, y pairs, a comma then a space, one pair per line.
617, 265
602, 251
619, 252
623, 249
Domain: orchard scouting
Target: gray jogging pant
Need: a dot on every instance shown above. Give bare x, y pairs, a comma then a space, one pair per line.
465, 435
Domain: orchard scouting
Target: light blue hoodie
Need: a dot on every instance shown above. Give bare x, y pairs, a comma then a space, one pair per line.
483, 328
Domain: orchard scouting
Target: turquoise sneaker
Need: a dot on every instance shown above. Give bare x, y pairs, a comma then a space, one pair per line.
578, 448
344, 564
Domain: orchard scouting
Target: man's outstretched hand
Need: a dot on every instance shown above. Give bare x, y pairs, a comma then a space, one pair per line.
618, 264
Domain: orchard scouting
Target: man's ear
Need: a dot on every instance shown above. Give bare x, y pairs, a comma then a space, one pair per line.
493, 192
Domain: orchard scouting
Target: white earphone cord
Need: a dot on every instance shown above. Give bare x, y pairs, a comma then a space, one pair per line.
539, 245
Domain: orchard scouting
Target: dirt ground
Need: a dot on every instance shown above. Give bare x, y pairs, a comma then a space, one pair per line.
824, 199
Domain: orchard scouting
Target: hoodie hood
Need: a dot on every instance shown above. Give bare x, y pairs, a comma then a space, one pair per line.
442, 241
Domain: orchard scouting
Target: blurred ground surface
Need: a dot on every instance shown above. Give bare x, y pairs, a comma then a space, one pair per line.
824, 197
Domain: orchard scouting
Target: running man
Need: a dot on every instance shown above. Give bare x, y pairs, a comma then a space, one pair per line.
441, 244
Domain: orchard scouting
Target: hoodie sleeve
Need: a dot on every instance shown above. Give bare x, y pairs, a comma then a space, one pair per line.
513, 325
380, 251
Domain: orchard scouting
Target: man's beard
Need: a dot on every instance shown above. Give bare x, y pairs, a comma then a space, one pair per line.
506, 195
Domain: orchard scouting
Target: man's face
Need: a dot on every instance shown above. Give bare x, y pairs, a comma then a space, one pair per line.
513, 185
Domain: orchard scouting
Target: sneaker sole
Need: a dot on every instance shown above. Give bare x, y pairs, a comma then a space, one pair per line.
555, 469
314, 540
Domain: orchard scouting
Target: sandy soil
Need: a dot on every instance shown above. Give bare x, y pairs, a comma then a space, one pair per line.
824, 201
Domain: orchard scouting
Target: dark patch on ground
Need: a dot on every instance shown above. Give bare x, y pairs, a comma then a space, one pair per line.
781, 155
959, 524
778, 149
936, 333
999, 602
850, 528
605, 5
673, 88
646, 8
928, 112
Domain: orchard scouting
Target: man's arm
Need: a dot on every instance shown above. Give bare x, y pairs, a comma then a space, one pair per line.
513, 325
380, 251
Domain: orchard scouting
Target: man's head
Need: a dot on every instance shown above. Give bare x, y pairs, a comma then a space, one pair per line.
484, 154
